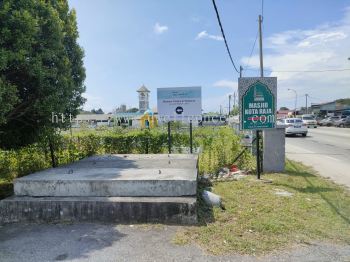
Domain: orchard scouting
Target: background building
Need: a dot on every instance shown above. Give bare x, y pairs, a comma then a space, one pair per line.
121, 109
336, 107
143, 99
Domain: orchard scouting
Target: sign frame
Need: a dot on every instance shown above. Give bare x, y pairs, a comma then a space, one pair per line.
179, 103
265, 84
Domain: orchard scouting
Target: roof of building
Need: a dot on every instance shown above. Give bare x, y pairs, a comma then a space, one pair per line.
148, 112
284, 111
93, 117
143, 89
128, 114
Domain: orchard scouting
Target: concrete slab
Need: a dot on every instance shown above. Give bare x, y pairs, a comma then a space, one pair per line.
139, 161
172, 210
109, 188
115, 175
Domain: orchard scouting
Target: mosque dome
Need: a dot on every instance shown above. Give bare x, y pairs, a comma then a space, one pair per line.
148, 112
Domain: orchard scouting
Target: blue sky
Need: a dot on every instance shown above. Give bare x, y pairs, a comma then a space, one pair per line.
177, 43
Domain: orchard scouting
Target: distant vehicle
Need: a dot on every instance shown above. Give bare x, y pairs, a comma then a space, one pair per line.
295, 126
213, 120
329, 121
309, 121
318, 119
344, 122
346, 113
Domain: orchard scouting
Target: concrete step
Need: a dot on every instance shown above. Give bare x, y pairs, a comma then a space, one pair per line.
109, 188
81, 181
172, 210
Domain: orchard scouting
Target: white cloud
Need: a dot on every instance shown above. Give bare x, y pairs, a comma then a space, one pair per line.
160, 29
322, 47
225, 84
205, 35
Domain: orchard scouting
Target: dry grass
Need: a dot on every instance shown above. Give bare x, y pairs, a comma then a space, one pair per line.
257, 221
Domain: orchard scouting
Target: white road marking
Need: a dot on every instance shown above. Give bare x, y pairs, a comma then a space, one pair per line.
333, 158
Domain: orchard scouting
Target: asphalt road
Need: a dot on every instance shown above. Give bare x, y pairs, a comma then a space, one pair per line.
113, 243
326, 149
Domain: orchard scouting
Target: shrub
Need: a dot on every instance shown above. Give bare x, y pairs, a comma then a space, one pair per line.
219, 147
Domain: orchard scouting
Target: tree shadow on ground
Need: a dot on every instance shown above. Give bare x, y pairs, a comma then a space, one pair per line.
57, 242
311, 188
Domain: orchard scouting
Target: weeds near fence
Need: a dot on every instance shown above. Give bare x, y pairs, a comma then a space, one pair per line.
219, 146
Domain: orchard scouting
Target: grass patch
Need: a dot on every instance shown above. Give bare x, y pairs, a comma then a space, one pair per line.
257, 221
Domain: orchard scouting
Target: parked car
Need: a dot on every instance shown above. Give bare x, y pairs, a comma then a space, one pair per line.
343, 122
309, 121
295, 126
318, 119
329, 121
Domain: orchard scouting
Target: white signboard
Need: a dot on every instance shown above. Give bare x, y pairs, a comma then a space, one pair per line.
179, 103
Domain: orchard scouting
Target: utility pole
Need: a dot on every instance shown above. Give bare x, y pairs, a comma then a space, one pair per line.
240, 71
306, 95
258, 165
229, 104
295, 101
261, 50
234, 99
220, 109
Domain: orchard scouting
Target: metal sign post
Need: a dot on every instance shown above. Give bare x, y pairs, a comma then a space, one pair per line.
169, 137
257, 98
191, 138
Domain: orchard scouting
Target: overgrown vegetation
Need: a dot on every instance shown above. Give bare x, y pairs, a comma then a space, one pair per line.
256, 220
219, 147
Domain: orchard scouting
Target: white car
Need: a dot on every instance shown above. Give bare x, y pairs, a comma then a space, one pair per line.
309, 121
294, 126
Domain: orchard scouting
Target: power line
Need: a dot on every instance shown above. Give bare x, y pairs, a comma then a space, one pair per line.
251, 52
223, 36
302, 71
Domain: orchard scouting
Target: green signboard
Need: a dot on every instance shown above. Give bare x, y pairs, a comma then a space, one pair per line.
257, 102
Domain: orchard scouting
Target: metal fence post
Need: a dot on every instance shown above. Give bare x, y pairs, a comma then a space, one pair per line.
191, 138
169, 138
258, 153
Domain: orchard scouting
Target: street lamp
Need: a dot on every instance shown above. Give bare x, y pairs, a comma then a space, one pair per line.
295, 105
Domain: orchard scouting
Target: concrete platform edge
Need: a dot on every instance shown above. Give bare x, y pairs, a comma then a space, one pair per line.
126, 210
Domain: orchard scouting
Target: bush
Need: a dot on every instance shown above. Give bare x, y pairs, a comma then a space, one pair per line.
219, 147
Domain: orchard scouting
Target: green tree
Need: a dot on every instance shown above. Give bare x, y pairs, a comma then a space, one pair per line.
41, 68
8, 97
234, 111
97, 111
284, 108
132, 110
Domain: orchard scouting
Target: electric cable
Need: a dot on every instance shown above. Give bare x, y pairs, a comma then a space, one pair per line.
223, 36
